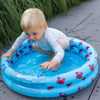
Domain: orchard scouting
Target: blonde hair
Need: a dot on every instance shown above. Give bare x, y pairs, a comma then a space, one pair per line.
32, 17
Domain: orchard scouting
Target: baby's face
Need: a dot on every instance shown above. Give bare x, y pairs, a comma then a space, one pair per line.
35, 34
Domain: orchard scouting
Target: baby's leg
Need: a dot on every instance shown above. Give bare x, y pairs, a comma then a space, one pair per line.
64, 43
38, 49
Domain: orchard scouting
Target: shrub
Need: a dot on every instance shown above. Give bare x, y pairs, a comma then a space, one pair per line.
11, 11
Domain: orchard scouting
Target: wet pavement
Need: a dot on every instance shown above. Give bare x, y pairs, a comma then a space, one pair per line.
81, 22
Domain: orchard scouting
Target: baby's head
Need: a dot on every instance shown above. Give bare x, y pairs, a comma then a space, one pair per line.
32, 17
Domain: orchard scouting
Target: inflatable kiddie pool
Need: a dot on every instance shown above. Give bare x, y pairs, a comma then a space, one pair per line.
24, 75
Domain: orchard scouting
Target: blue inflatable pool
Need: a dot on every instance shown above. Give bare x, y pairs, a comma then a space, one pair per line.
24, 75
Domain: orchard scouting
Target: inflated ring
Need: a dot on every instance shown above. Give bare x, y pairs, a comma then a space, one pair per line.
52, 86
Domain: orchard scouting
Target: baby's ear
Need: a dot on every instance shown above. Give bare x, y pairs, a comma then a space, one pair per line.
45, 26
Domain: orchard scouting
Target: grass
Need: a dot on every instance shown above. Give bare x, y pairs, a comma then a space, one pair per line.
11, 11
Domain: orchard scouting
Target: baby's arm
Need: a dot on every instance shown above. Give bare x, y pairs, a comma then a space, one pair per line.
55, 61
16, 44
57, 48
59, 53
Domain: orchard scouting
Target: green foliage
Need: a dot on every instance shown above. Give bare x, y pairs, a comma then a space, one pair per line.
11, 11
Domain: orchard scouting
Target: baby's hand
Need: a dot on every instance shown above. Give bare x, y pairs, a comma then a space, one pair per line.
48, 64
45, 65
8, 54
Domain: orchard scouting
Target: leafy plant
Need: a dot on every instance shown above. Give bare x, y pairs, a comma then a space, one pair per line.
11, 11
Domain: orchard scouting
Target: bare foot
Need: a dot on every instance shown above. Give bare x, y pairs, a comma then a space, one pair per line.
56, 67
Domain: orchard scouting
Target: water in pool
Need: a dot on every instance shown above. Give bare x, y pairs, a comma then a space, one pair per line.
29, 64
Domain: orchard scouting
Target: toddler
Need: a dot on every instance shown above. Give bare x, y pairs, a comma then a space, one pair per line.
46, 40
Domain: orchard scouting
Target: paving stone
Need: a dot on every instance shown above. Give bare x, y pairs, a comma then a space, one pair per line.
8, 94
74, 17
83, 94
81, 22
1, 82
89, 29
96, 93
